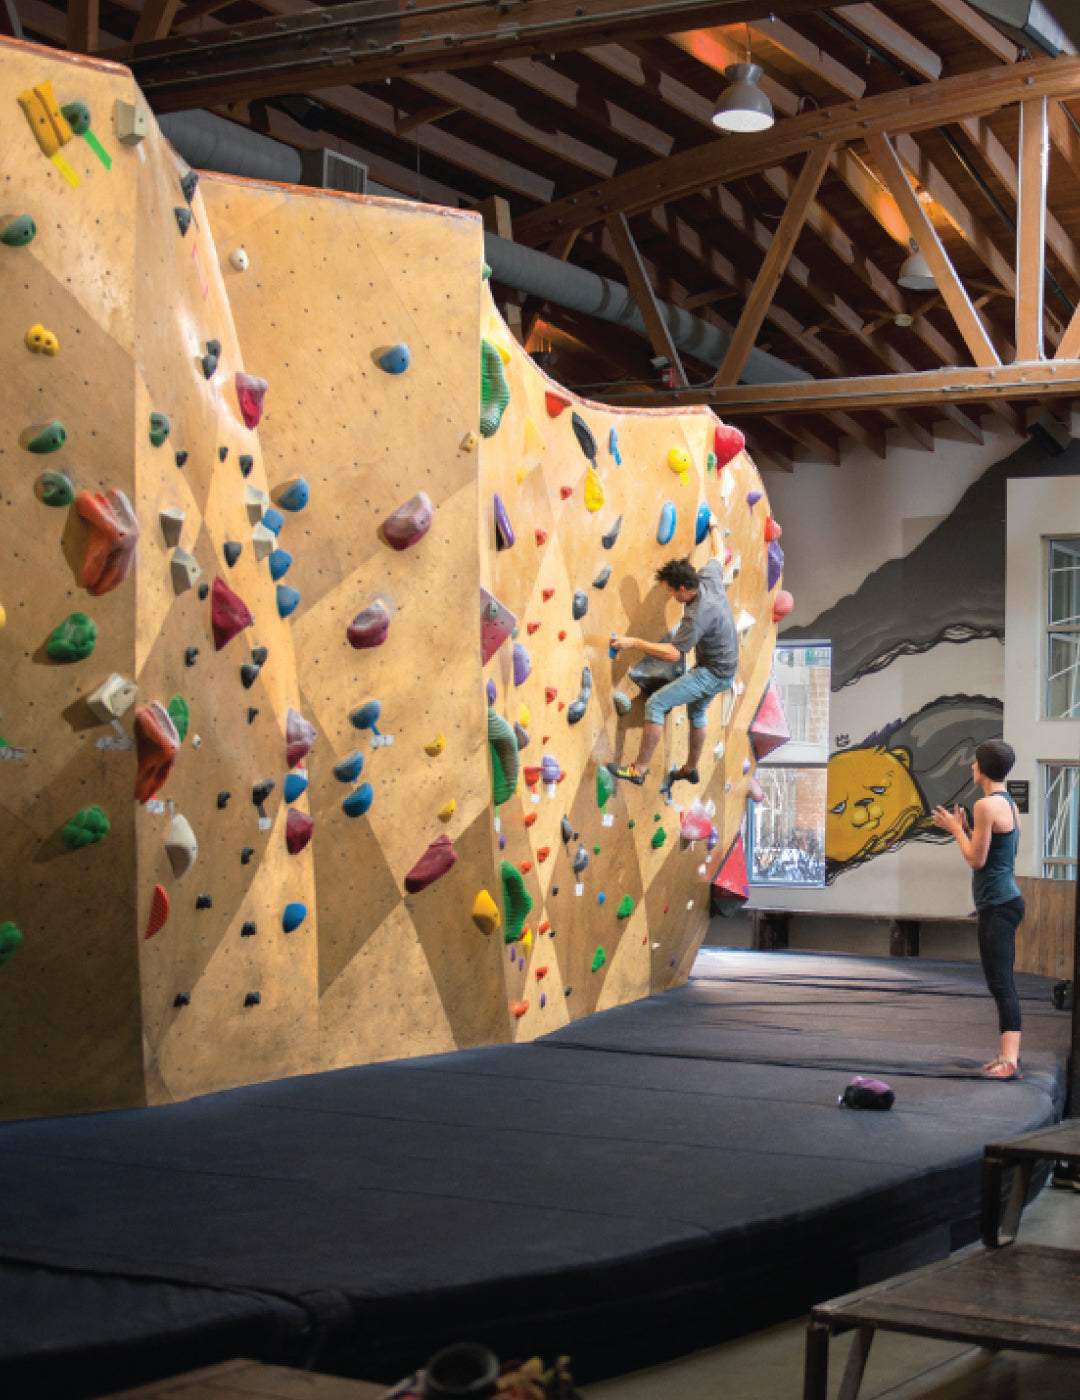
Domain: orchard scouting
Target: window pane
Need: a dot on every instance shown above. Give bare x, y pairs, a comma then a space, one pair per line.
1064, 582
1060, 809
802, 674
787, 828
1063, 676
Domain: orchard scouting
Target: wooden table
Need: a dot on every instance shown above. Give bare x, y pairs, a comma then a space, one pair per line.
1060, 1143
251, 1380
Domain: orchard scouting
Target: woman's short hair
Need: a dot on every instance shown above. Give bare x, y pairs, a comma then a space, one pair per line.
995, 759
678, 573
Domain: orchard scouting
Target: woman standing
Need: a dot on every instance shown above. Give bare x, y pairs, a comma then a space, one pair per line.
990, 850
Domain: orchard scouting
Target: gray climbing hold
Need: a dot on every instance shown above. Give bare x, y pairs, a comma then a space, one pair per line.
181, 846
112, 699
263, 542
583, 433
601, 579
188, 182
576, 709
248, 675
257, 503
580, 604
185, 570
608, 540
622, 702
566, 830
246, 461
172, 524
581, 860
521, 734
183, 219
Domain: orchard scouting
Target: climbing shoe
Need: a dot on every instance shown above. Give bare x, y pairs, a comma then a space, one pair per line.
683, 775
627, 772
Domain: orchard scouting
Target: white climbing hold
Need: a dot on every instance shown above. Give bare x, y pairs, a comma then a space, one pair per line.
744, 625
263, 541
181, 846
702, 870
172, 523
718, 749
185, 570
257, 501
113, 698
239, 259
727, 485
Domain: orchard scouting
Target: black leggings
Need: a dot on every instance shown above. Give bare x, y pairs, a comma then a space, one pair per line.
997, 949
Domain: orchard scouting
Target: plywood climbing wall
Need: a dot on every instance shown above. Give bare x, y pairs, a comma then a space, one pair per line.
245, 830
567, 472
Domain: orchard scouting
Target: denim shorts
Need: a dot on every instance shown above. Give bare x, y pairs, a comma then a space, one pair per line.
696, 689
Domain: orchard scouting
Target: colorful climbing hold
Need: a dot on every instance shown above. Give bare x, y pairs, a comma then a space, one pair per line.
774, 565
599, 959
608, 539
577, 708
550, 693
350, 768
547, 594
666, 529
409, 523
694, 823
494, 390
752, 498
436, 746
605, 784
370, 627
296, 784
300, 736
727, 444
48, 439
73, 640
594, 490
516, 900
504, 531
446, 812
159, 912
565, 492
85, 828
229, 613
680, 462
114, 533
358, 801
366, 716
180, 714
772, 530
485, 913
298, 831
555, 403
293, 916
532, 627
159, 429
626, 907
288, 600
157, 744
502, 743
701, 525
395, 359
522, 664
541, 536
18, 232
56, 489
273, 520
659, 836
782, 604
432, 865
294, 496
39, 341
280, 563
519, 1008
250, 395
181, 846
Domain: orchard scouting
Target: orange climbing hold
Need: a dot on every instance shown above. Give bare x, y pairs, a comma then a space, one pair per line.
555, 403
543, 926
562, 706
543, 853
532, 627
566, 492
532, 775
519, 1008
541, 973
541, 537
525, 866
772, 530
562, 636
157, 744
159, 912
114, 532
550, 693
547, 594
529, 818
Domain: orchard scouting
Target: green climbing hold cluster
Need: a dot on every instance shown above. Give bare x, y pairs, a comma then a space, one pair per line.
85, 828
504, 757
73, 640
10, 941
180, 714
516, 900
599, 958
494, 390
626, 907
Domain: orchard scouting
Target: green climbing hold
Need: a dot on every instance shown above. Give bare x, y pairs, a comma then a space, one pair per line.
85, 828
631, 824
10, 941
504, 756
710, 461
494, 390
78, 117
599, 958
18, 234
56, 489
659, 836
180, 714
622, 702
73, 640
516, 900
50, 439
605, 785
626, 907
596, 850
159, 429
485, 271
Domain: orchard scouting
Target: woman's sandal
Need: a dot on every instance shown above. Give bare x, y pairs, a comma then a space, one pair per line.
993, 1064
1005, 1070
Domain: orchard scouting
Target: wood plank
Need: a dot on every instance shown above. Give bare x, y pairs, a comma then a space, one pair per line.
10, 24
772, 269
1031, 230
979, 28
589, 103
621, 63
156, 20
924, 233
404, 126
1044, 941
818, 61
884, 33
806, 435
630, 261
83, 19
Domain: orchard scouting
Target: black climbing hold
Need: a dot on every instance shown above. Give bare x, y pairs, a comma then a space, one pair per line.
231, 551
261, 791
203, 901
181, 458
222, 800
252, 999
251, 715
566, 830
246, 464
259, 655
248, 930
583, 433
183, 219
182, 999
209, 365
248, 675
204, 591
555, 890
213, 347
580, 604
188, 183
245, 857
576, 710
608, 540
600, 581
222, 453
190, 653
581, 860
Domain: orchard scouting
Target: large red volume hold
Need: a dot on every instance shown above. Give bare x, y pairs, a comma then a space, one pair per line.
229, 614
728, 442
114, 532
434, 863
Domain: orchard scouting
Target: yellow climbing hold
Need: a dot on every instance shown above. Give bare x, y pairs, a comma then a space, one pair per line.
445, 813
485, 913
524, 716
594, 489
534, 446
526, 939
436, 746
496, 332
3, 617
42, 342
468, 442
680, 463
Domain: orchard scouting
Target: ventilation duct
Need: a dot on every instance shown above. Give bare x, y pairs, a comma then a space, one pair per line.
209, 142
1051, 25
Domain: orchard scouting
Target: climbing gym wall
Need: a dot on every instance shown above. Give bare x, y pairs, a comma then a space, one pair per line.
607, 884
258, 815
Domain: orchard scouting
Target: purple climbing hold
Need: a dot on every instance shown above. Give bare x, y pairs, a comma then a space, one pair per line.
550, 771
522, 664
774, 564
504, 531
370, 627
409, 523
489, 691
752, 498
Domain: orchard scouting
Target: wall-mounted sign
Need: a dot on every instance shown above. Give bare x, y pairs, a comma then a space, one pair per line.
1018, 791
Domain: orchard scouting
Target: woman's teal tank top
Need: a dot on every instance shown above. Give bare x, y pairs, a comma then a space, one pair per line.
996, 883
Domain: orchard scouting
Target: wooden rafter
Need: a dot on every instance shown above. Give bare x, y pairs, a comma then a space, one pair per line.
892, 38
1031, 230
83, 19
156, 20
641, 288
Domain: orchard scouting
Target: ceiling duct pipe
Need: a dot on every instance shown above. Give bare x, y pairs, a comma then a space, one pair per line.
210, 142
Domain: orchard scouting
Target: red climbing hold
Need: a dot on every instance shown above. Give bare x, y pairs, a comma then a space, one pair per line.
562, 706
769, 728
157, 744
543, 926
434, 863
519, 1008
532, 775
529, 818
728, 442
250, 393
731, 885
228, 614
370, 627
566, 492
550, 693
159, 912
300, 735
555, 403
541, 973
545, 738
547, 594
525, 866
543, 853
782, 604
541, 537
409, 523
298, 830
772, 530
532, 627
114, 532
562, 636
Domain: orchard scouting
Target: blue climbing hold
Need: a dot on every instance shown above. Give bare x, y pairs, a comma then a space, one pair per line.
295, 785
293, 917
349, 769
357, 803
701, 528
295, 496
273, 520
395, 360
288, 600
367, 716
613, 446
666, 530
280, 564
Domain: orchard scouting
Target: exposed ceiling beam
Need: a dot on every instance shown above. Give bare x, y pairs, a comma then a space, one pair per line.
885, 34
1031, 230
817, 61
155, 20
83, 18
641, 288
979, 28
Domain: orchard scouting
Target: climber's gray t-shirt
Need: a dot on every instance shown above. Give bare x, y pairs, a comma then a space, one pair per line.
709, 626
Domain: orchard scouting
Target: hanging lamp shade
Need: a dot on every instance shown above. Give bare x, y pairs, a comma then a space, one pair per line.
915, 274
743, 106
